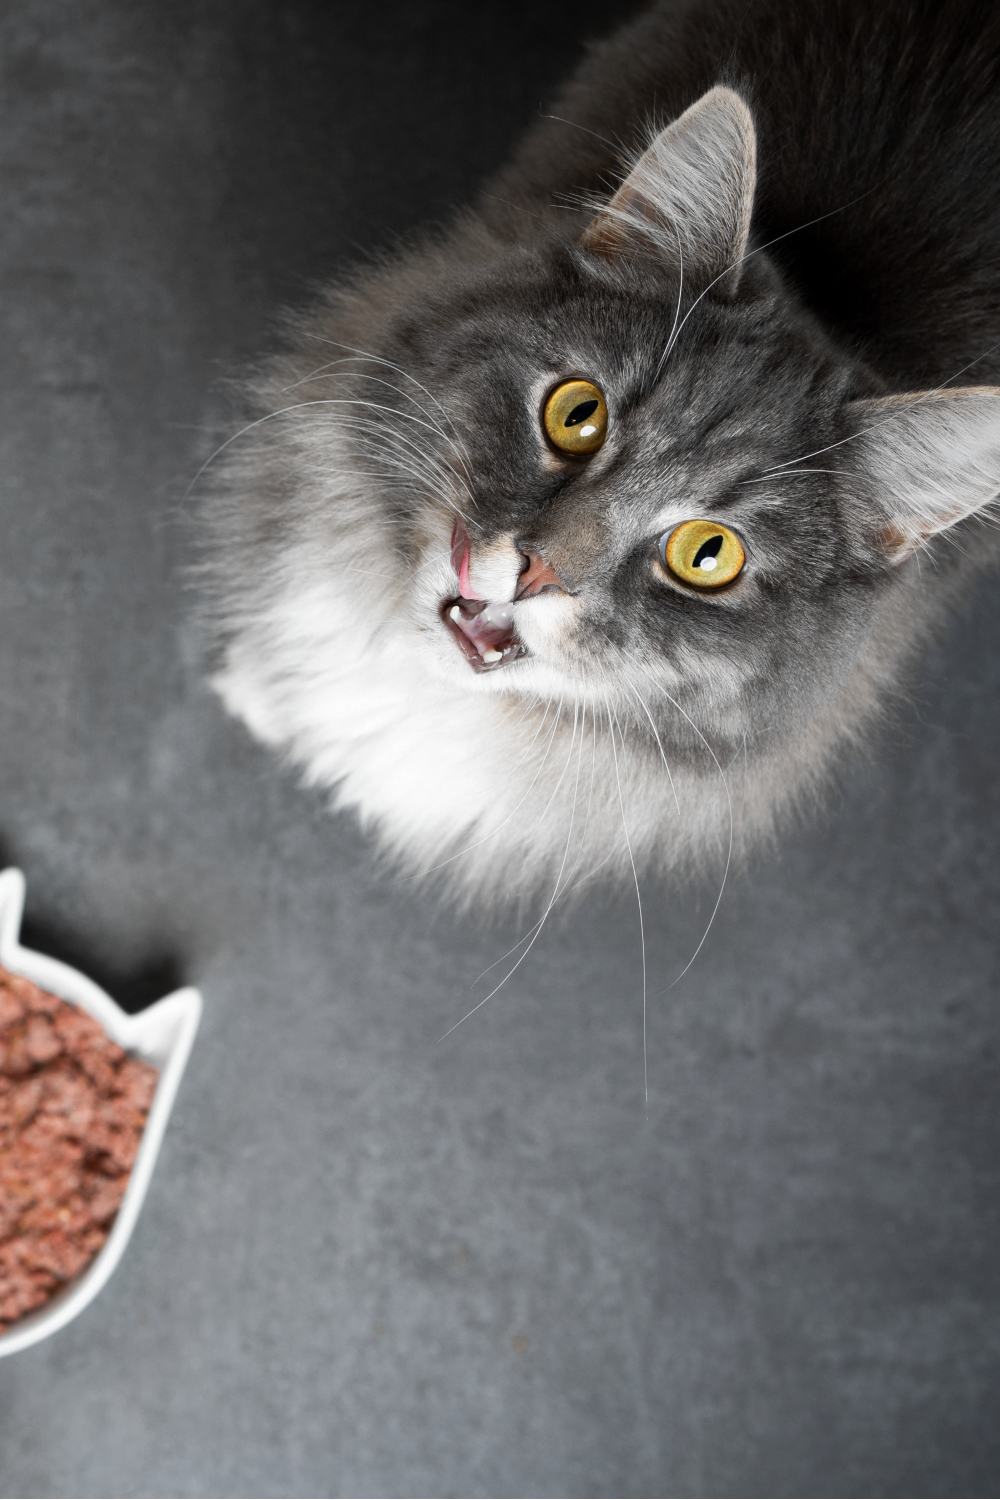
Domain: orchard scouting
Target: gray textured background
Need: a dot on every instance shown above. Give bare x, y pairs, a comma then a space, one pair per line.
370, 1263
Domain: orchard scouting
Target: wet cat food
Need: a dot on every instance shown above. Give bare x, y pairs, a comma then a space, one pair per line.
73, 1107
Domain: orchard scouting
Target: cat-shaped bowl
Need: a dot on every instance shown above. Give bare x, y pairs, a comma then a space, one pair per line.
161, 1035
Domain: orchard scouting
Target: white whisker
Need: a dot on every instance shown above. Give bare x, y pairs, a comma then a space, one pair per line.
328, 372
390, 364
612, 722
552, 899
303, 406
656, 734
896, 412
381, 428
568, 885
494, 831
739, 262
768, 476
729, 851
575, 125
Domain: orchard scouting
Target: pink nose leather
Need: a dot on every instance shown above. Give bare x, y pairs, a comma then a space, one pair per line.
536, 576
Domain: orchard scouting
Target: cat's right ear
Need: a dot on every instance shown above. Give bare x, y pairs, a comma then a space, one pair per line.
689, 195
928, 460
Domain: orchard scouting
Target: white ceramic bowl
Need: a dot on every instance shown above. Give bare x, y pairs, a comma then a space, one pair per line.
162, 1035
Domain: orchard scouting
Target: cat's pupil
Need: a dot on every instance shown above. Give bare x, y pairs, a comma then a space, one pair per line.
580, 413
708, 550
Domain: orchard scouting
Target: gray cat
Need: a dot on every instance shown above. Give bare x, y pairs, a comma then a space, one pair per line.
581, 536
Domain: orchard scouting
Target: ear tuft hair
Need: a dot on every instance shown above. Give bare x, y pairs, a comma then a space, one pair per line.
932, 458
690, 194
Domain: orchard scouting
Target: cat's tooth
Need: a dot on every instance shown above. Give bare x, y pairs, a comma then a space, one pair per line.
455, 614
492, 656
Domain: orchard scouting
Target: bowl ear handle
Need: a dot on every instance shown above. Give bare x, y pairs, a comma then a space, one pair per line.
11, 908
172, 1022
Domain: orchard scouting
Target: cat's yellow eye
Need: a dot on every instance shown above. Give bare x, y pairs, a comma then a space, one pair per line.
703, 554
575, 417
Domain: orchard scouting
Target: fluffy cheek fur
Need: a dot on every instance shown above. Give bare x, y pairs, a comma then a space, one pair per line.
336, 656
350, 674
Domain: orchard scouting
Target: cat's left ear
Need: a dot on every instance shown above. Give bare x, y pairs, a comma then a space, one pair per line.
689, 195
930, 458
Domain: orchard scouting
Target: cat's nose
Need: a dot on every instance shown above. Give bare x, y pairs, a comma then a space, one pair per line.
536, 575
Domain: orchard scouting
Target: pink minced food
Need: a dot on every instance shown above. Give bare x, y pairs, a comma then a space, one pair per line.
73, 1108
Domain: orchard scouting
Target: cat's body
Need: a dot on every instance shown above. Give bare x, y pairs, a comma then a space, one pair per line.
334, 548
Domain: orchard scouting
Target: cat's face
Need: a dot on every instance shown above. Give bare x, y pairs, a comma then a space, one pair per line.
577, 575
684, 440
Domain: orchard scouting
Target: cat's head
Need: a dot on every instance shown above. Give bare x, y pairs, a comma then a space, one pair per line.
627, 456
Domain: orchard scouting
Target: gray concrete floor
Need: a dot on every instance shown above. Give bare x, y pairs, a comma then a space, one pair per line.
370, 1263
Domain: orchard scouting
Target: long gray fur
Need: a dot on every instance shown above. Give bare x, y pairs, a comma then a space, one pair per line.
739, 377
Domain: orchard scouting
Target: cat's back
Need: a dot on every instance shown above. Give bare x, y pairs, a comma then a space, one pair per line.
886, 117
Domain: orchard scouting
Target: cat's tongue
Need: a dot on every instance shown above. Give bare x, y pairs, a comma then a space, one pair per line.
483, 628
461, 552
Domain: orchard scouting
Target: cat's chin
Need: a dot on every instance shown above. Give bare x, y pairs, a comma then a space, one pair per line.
526, 675
451, 659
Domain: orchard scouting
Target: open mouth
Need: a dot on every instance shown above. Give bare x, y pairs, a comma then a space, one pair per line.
483, 628
484, 631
